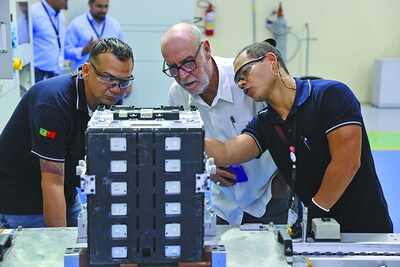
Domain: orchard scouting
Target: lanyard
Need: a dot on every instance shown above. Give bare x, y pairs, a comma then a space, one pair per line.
54, 26
99, 36
291, 149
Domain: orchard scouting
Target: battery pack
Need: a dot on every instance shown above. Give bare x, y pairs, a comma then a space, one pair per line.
145, 206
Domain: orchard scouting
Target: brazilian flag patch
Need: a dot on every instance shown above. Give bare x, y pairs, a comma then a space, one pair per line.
47, 133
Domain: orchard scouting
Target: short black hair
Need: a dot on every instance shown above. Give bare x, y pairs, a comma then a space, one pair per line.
112, 45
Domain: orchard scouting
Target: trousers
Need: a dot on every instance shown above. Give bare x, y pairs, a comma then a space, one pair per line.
9, 221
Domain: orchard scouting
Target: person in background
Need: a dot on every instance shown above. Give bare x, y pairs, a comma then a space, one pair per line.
23, 23
315, 133
45, 138
48, 31
206, 81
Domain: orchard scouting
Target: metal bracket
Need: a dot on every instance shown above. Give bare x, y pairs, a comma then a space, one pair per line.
88, 184
285, 244
203, 183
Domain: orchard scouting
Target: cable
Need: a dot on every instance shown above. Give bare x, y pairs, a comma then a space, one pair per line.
203, 3
297, 46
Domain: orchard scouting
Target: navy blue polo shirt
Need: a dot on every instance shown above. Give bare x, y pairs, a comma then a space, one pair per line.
321, 106
49, 123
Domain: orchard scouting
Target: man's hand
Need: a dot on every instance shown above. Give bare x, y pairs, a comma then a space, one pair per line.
315, 211
223, 177
88, 47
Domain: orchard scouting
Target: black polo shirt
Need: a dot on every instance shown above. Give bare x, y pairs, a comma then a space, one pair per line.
321, 106
49, 123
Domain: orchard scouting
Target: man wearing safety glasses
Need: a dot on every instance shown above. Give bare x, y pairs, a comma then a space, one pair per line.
206, 81
315, 132
45, 138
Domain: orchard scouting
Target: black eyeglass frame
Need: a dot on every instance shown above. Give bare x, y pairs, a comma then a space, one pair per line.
236, 78
110, 78
182, 66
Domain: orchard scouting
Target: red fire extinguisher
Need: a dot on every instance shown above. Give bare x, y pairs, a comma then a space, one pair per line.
210, 15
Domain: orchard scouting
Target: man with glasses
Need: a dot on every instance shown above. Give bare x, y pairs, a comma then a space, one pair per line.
45, 138
206, 81
315, 132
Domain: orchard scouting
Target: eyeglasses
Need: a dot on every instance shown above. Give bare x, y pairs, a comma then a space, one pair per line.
110, 81
187, 66
245, 69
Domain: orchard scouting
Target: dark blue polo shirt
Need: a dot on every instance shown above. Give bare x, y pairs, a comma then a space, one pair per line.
49, 123
321, 106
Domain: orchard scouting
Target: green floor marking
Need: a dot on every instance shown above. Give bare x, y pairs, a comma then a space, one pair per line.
384, 140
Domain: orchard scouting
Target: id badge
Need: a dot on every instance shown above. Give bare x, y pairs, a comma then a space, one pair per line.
292, 217
61, 62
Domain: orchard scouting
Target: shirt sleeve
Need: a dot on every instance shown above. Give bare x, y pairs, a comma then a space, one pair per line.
121, 34
73, 50
50, 129
253, 130
338, 106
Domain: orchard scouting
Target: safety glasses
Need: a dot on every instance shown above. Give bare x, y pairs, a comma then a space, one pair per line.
110, 81
246, 68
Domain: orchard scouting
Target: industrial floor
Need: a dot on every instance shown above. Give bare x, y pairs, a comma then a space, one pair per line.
383, 127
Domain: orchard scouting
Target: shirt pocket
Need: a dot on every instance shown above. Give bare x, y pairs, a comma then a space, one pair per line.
316, 148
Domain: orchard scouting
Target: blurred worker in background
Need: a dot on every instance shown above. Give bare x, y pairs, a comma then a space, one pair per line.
206, 81
48, 28
315, 133
45, 138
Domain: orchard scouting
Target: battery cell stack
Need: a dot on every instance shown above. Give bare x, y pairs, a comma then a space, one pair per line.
145, 207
